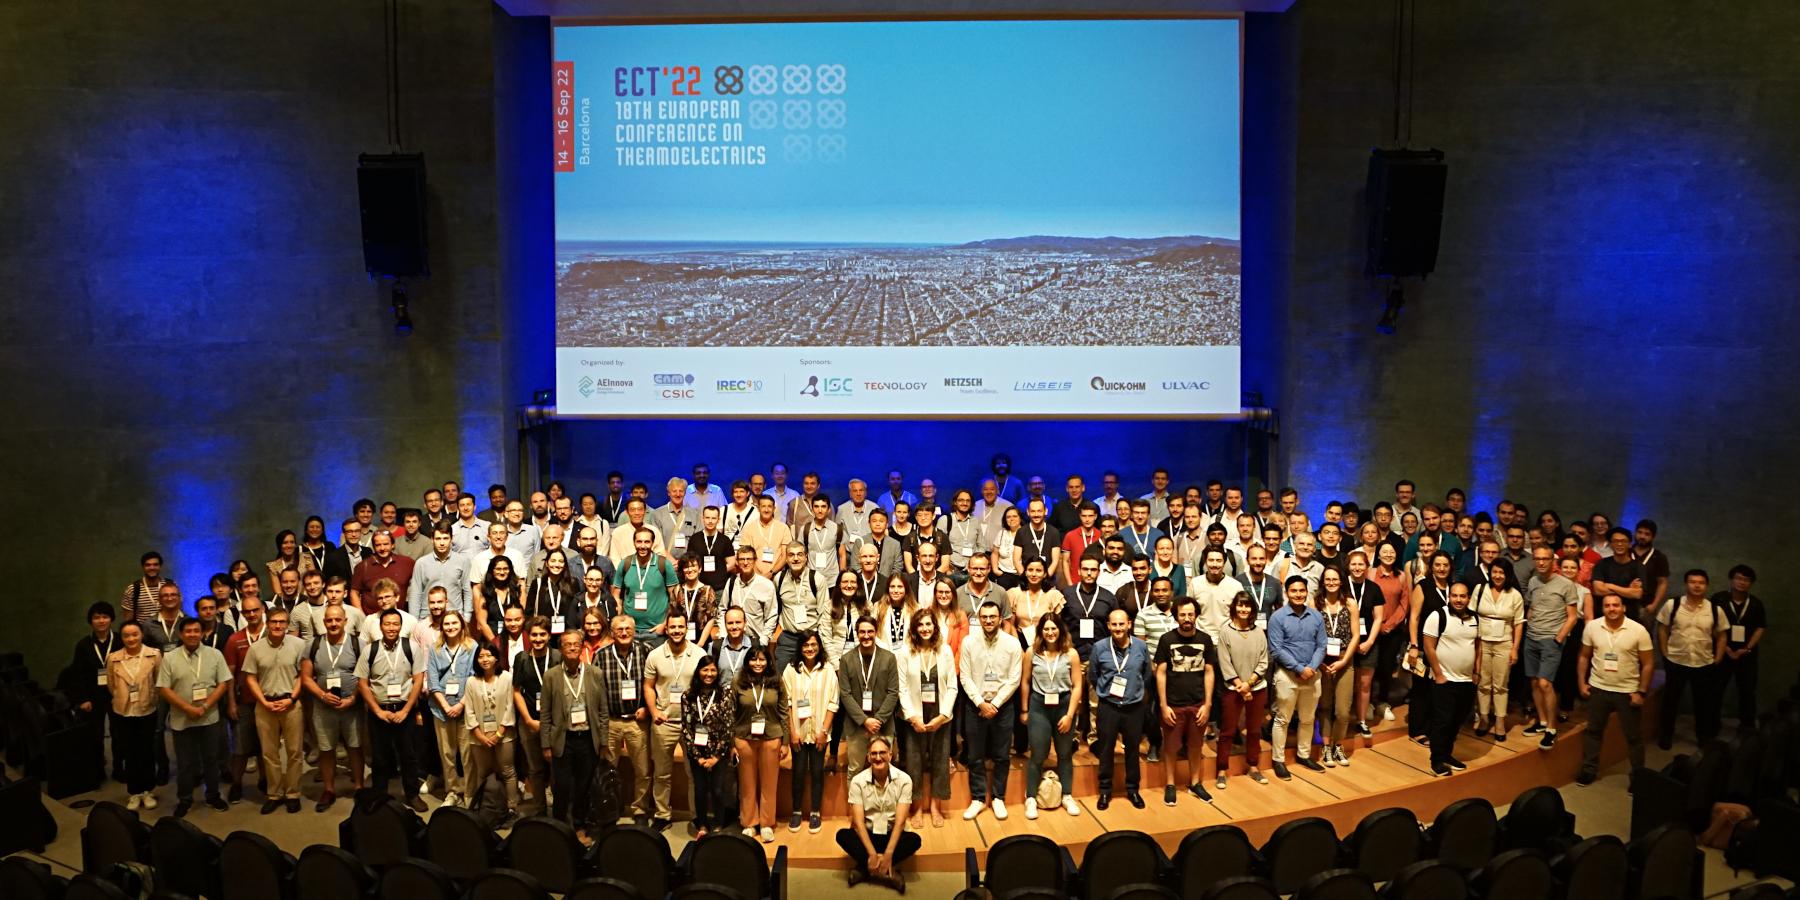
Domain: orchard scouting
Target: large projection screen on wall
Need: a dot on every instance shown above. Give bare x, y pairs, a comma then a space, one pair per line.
905, 219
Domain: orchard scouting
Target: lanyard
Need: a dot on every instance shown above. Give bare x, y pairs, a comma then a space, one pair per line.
712, 699
1037, 539
759, 699
1356, 591
391, 655
707, 539
1087, 606
628, 664
1140, 539
869, 672
540, 667
1260, 590
896, 625
101, 654
573, 684
1050, 663
336, 656
194, 657
1118, 664
641, 571
1734, 612
688, 597
451, 668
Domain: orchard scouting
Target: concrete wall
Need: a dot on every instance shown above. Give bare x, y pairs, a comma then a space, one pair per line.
1611, 326
192, 355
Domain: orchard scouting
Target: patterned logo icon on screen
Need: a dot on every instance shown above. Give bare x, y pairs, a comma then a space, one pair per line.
831, 78
796, 79
761, 80
762, 114
797, 147
831, 148
831, 113
796, 115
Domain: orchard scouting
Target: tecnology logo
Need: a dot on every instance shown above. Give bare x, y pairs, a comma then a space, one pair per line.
895, 386
1115, 387
738, 386
672, 379
1040, 387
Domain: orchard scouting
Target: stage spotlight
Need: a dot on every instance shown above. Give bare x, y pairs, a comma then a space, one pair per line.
402, 319
1390, 317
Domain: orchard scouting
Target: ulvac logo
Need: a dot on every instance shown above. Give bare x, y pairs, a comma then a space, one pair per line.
1116, 387
738, 386
1187, 385
588, 386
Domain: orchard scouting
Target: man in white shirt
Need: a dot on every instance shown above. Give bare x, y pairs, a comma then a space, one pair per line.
783, 495
1213, 592
1617, 661
700, 494
523, 538
880, 800
622, 545
853, 513
668, 671
990, 670
1691, 632
1451, 635
497, 546
989, 510
1403, 502
1114, 572
755, 594
740, 511
1159, 495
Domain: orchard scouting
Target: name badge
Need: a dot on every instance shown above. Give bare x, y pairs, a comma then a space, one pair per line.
1117, 688
709, 564
489, 724
701, 737
1334, 647
693, 633
768, 554
578, 717
928, 693
680, 541
1610, 662
334, 682
396, 691
100, 679
822, 559
198, 694
628, 691
757, 725
640, 601
1053, 698
1087, 629
803, 710
1737, 637
966, 550
557, 625
868, 701
452, 688
131, 693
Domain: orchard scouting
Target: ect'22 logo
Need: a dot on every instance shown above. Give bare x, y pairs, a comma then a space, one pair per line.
828, 387
672, 386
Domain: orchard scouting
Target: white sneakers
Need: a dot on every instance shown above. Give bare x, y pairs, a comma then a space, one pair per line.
133, 802
453, 799
974, 810
768, 835
149, 800
999, 809
750, 832
1031, 807
1070, 807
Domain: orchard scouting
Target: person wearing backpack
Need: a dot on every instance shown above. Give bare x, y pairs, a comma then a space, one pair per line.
328, 674
1450, 635
389, 676
1691, 633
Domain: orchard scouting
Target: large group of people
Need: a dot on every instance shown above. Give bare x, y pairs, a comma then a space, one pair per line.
500, 657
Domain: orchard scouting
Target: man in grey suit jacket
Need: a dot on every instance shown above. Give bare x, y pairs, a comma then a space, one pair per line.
573, 718
869, 693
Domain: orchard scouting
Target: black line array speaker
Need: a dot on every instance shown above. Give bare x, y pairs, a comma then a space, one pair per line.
1406, 211
390, 189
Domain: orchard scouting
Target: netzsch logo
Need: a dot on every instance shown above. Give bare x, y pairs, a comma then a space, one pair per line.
963, 382
1104, 386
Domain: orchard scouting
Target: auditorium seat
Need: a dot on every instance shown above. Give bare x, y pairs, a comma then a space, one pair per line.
706, 892
1745, 773
1711, 774
1594, 869
1777, 735
506, 884
186, 859
1514, 875
324, 872
251, 867
1209, 854
1384, 842
1298, 849
112, 835
548, 849
1119, 858
1665, 865
1427, 879
89, 886
604, 889
1337, 884
1243, 887
381, 831
1019, 861
1537, 820
1463, 834
731, 859
631, 853
1141, 892
416, 879
26, 879
1657, 798
458, 840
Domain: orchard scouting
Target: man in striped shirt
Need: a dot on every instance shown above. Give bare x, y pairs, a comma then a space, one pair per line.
139, 603
1153, 620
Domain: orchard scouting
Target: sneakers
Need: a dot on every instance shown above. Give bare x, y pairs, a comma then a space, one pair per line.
1387, 713
1534, 728
1337, 754
1549, 740
1155, 754
1456, 764
1219, 781
1257, 776
1281, 771
812, 824
1169, 795
750, 833
1199, 791
1031, 808
1362, 730
999, 809
975, 808
453, 799
1585, 779
1439, 769
768, 835
134, 802
794, 822
1311, 763
1326, 757
1071, 807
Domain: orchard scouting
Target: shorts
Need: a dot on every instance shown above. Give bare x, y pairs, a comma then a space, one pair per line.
1368, 660
1542, 656
335, 728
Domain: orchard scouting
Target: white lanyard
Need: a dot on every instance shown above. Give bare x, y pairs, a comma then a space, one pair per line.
1356, 591
1087, 606
869, 672
896, 625
641, 571
1118, 664
1140, 539
707, 540
391, 656
555, 598
540, 667
332, 665
711, 701
1050, 664
1037, 539
1259, 591
573, 684
102, 654
629, 663
757, 709
687, 602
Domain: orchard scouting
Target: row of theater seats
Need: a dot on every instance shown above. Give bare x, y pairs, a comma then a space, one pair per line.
387, 851
1465, 853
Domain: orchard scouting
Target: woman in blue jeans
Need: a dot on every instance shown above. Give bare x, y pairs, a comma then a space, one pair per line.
1053, 670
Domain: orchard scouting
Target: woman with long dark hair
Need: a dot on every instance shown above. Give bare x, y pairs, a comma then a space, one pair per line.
1052, 672
313, 545
287, 556
1429, 595
707, 714
927, 696
553, 594
760, 736
499, 588
1244, 670
812, 689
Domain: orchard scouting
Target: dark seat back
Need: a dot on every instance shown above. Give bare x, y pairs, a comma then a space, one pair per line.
1384, 842
1746, 771
1337, 884
706, 892
1463, 834
1657, 798
731, 859
1594, 869
324, 872
507, 884
1141, 892
603, 889
1537, 820
636, 855
1761, 890
1023, 860
416, 879
382, 831
186, 859
1515, 875
549, 850
1427, 879
1210, 854
1665, 865
458, 840
1119, 858
251, 867
112, 835
1711, 773
1242, 887
1297, 850
89, 886
26, 879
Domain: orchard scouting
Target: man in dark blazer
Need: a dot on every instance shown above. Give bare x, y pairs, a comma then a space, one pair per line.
574, 715
868, 694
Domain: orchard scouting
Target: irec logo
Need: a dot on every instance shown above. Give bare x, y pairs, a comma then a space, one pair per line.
738, 386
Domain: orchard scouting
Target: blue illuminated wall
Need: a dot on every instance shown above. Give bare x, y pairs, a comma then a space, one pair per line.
1612, 323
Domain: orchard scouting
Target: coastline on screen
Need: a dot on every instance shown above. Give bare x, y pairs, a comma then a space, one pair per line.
919, 218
